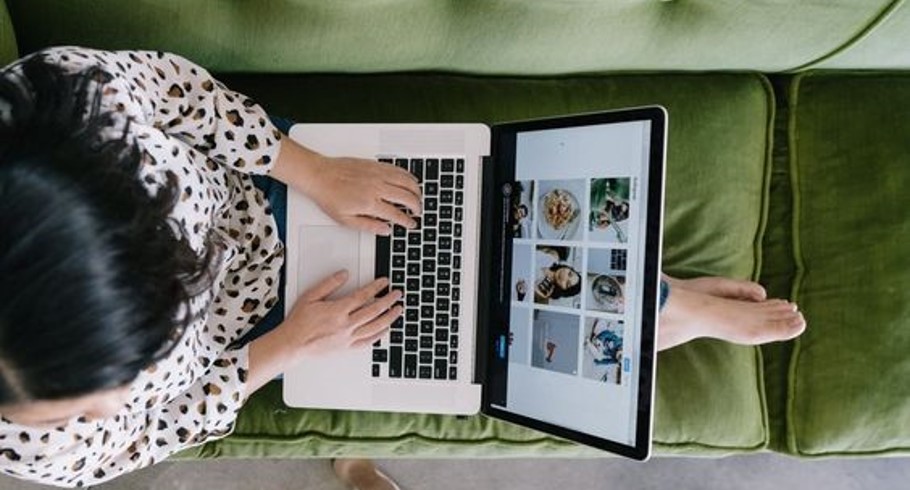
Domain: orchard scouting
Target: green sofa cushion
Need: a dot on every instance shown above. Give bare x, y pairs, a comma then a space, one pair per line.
8, 50
515, 37
709, 394
850, 140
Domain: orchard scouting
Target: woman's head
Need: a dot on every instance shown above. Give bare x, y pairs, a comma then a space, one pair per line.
95, 284
566, 281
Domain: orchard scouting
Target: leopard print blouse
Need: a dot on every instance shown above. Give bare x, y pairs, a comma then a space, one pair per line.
188, 125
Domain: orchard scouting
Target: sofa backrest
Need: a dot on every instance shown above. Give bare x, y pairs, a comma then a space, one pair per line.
509, 37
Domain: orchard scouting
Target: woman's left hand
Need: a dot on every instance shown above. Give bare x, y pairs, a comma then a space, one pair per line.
366, 194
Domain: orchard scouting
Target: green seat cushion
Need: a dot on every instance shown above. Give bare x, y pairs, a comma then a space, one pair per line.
850, 144
8, 50
515, 37
709, 394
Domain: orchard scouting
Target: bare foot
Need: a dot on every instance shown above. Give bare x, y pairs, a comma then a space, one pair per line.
690, 314
362, 474
721, 286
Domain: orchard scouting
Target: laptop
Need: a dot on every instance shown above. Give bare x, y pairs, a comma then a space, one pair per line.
531, 284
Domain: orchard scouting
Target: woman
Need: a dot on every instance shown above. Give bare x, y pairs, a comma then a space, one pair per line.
556, 279
136, 251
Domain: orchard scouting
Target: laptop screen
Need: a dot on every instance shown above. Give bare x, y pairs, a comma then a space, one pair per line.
577, 308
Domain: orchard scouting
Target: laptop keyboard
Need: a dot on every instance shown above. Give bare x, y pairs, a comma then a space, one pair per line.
425, 264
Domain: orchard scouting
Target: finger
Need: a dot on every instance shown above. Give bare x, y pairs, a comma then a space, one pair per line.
366, 294
374, 309
404, 179
397, 195
373, 331
371, 225
325, 288
390, 213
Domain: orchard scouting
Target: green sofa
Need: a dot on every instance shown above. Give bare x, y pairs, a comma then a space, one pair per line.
788, 162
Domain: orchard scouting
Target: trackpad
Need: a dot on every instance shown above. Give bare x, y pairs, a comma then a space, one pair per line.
325, 250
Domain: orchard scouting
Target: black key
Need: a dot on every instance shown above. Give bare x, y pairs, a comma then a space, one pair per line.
430, 204
398, 260
428, 281
413, 284
399, 231
442, 320
453, 372
442, 304
377, 343
457, 246
445, 243
453, 355
402, 163
397, 325
410, 366
429, 235
456, 277
427, 296
457, 229
410, 329
459, 198
453, 342
456, 293
426, 341
426, 326
439, 369
397, 276
385, 160
441, 350
442, 289
411, 314
375, 370
428, 266
444, 258
398, 245
455, 309
380, 355
459, 182
431, 189
444, 273
445, 212
412, 299
448, 165
432, 169
445, 228
417, 168
426, 357
426, 372
442, 335
459, 213
410, 345
395, 362
413, 269
414, 238
414, 253
446, 197
429, 250
416, 221
429, 220
456, 262
454, 326
447, 182
426, 311
459, 165
396, 337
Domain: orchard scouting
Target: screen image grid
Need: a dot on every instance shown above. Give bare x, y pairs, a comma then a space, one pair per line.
569, 333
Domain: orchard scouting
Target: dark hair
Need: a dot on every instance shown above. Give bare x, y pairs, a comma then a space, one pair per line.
559, 292
95, 277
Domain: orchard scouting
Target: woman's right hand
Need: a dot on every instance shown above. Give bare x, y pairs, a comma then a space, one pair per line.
317, 325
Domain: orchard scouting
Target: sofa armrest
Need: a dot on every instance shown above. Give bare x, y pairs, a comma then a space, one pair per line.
8, 49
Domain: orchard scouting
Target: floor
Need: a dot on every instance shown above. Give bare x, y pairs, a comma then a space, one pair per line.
754, 472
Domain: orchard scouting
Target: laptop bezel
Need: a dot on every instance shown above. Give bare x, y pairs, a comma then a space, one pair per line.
496, 270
